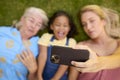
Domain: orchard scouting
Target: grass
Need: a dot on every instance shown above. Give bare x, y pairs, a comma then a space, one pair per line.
12, 9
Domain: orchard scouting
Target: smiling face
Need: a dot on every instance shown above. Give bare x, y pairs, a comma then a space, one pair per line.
30, 25
93, 25
60, 27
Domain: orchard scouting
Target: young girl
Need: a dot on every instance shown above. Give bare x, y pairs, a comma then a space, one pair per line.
61, 29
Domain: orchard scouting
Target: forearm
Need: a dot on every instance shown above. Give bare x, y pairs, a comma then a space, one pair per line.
73, 73
42, 61
60, 72
41, 66
112, 61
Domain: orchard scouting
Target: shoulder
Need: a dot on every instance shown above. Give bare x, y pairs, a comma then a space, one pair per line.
84, 42
35, 38
7, 30
3, 28
47, 35
45, 39
72, 42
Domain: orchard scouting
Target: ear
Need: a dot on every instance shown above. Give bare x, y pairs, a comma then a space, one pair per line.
22, 18
104, 22
51, 27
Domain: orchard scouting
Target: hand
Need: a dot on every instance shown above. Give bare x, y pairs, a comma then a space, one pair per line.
28, 59
88, 66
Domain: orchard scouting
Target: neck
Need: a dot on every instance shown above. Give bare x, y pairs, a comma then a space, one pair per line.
23, 35
102, 39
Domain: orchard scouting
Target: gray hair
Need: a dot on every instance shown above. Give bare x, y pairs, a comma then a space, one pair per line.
33, 11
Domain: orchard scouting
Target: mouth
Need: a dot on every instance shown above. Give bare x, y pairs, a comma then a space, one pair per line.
61, 34
31, 30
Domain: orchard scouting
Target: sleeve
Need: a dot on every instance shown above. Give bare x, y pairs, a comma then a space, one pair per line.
72, 42
45, 39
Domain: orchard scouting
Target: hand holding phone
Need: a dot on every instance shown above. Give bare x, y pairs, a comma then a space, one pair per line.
64, 55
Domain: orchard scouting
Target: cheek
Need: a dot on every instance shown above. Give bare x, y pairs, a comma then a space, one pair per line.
68, 29
85, 29
37, 30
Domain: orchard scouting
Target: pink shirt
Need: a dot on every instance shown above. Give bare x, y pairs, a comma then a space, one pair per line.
111, 74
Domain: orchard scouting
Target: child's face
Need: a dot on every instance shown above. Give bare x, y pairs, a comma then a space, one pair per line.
60, 27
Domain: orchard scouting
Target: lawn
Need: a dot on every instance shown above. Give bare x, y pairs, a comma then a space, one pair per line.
12, 9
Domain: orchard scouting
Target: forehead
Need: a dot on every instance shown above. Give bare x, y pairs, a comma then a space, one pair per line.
61, 18
88, 15
35, 17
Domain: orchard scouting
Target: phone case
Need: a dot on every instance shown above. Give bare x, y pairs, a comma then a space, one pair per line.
64, 55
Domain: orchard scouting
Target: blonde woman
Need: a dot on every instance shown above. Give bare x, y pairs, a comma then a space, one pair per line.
100, 25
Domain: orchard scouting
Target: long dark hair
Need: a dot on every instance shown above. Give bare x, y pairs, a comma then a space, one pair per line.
73, 29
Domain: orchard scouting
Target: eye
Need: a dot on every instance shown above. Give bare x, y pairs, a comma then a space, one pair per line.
30, 20
57, 25
91, 21
39, 24
66, 26
84, 24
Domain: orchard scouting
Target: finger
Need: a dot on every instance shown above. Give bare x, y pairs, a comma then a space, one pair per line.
26, 57
78, 64
30, 53
24, 54
21, 59
32, 59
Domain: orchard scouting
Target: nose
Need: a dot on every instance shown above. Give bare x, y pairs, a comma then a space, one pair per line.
88, 26
33, 25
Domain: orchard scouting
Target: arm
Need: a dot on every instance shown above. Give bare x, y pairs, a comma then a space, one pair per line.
100, 63
42, 61
60, 72
112, 61
73, 73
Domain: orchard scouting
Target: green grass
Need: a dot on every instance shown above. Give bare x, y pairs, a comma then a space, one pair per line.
12, 9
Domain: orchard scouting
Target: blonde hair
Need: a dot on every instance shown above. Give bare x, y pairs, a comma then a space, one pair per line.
113, 23
111, 17
31, 11
94, 8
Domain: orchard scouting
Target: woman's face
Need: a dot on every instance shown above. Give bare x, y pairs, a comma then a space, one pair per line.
60, 27
31, 25
93, 25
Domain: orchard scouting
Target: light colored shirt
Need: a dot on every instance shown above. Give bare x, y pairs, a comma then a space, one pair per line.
10, 46
45, 41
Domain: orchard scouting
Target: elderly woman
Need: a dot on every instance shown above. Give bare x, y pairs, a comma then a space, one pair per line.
19, 46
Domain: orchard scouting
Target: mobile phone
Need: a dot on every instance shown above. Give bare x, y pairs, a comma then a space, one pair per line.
64, 55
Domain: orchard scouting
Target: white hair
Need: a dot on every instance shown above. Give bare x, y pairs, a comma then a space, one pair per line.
36, 11
32, 11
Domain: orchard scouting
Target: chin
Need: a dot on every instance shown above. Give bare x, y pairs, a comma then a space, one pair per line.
60, 38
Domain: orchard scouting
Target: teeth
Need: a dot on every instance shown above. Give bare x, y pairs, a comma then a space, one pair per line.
60, 34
